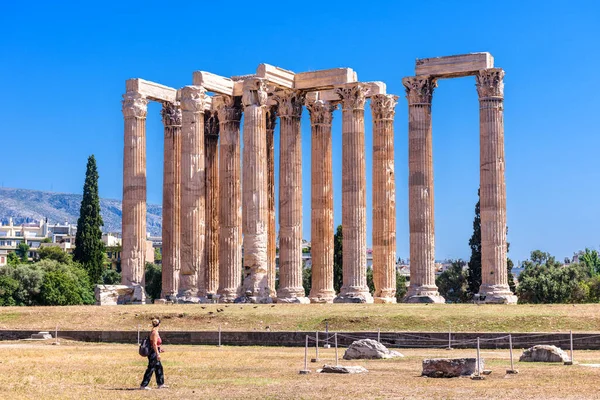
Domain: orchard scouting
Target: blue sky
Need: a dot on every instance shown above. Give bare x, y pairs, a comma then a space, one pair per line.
63, 68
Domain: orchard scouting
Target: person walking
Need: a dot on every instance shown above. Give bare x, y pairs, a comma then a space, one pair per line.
154, 364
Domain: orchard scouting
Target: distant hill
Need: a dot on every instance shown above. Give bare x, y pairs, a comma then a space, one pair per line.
32, 205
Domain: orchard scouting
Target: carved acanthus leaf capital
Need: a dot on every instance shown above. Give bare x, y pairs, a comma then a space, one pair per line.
255, 92
353, 97
171, 114
211, 124
419, 89
228, 108
321, 111
383, 106
193, 98
290, 102
490, 82
134, 105
271, 115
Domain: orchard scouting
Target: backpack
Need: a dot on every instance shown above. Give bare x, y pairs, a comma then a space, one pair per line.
144, 349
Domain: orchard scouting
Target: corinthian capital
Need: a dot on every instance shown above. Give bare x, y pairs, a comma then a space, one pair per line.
271, 115
419, 89
290, 102
321, 111
228, 108
171, 114
255, 92
353, 97
383, 106
211, 124
490, 82
134, 105
193, 98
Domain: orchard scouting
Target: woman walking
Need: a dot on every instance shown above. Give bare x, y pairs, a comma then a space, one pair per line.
154, 365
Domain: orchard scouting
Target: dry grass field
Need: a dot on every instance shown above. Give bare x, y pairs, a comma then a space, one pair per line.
38, 370
290, 317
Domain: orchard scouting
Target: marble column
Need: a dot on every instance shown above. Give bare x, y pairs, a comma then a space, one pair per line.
229, 110
211, 150
290, 197
134, 194
271, 115
192, 195
171, 116
354, 196
255, 214
422, 289
321, 116
494, 274
384, 198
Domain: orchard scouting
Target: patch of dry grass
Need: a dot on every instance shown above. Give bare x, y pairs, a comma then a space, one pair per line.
291, 317
107, 371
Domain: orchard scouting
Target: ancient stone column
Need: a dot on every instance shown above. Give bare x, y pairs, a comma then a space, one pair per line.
171, 116
321, 115
192, 195
271, 115
255, 215
229, 111
211, 150
290, 197
494, 274
134, 194
384, 198
422, 289
354, 197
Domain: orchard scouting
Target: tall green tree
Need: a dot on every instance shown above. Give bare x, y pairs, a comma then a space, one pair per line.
452, 283
474, 276
89, 249
23, 252
337, 259
591, 260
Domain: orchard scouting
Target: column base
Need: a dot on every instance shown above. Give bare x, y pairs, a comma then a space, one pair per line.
188, 297
322, 297
354, 295
292, 300
139, 295
227, 295
496, 294
385, 300
291, 295
423, 294
424, 299
255, 298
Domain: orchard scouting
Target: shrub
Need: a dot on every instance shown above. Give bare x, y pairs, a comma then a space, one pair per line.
111, 277
153, 277
54, 253
65, 285
8, 286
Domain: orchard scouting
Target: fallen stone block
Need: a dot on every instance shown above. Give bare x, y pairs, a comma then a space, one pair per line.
451, 367
544, 353
111, 295
369, 349
41, 335
339, 369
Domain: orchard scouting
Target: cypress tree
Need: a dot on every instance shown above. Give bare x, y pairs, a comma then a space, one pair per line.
474, 277
89, 249
338, 259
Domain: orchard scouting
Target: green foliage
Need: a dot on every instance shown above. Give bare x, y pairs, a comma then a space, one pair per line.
65, 285
54, 253
337, 259
89, 249
47, 240
306, 279
453, 283
591, 260
474, 275
157, 256
400, 287
23, 252
111, 277
306, 250
12, 259
370, 282
153, 277
8, 286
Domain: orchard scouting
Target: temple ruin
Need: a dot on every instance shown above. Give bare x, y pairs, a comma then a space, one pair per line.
212, 206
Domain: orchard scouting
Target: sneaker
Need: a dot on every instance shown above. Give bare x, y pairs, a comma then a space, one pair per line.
163, 387
145, 388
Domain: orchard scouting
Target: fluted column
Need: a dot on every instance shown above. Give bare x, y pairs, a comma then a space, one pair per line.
229, 111
271, 115
354, 196
171, 116
384, 198
422, 289
255, 216
321, 229
192, 195
134, 193
290, 197
494, 273
211, 132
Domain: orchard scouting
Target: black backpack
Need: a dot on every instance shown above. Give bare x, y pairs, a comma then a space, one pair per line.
144, 349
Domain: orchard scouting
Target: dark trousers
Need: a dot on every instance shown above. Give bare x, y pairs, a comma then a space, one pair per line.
154, 366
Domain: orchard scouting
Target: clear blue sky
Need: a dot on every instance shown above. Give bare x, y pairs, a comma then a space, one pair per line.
63, 69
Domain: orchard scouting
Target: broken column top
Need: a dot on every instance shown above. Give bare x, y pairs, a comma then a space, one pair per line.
454, 66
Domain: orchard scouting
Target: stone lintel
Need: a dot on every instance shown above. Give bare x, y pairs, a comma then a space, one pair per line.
213, 83
208, 100
373, 88
324, 79
151, 90
275, 75
454, 66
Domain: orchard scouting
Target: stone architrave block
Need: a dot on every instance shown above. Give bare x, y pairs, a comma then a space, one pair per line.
369, 349
278, 76
213, 83
454, 66
151, 90
450, 367
324, 79
544, 353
